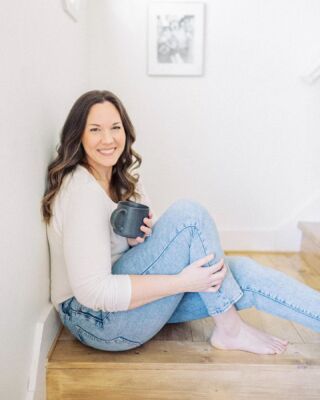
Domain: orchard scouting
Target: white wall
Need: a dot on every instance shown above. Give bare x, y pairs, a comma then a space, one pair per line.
244, 138
43, 69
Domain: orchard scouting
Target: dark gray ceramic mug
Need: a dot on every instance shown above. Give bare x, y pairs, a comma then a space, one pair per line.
127, 218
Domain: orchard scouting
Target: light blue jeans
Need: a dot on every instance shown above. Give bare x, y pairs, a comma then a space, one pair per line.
184, 233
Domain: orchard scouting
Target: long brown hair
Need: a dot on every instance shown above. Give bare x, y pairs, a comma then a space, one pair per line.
71, 152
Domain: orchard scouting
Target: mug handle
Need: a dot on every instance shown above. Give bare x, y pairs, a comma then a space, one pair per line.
114, 216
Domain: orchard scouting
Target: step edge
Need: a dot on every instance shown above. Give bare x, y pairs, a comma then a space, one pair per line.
190, 366
308, 232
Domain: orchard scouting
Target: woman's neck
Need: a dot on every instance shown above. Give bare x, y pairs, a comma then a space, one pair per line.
101, 176
104, 181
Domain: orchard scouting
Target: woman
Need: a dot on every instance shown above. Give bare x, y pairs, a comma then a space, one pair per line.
114, 293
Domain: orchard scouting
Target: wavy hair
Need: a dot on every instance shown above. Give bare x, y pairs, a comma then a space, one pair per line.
71, 152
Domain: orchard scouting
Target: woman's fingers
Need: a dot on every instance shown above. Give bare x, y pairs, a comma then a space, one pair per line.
216, 281
221, 273
213, 289
216, 267
148, 221
201, 261
216, 278
146, 230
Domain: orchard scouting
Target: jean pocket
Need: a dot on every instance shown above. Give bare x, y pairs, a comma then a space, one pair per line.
76, 311
88, 314
118, 343
65, 306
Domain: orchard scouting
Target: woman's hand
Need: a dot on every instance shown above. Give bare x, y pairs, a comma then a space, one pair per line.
196, 278
146, 229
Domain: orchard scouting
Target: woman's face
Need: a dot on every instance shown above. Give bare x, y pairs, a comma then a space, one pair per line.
103, 138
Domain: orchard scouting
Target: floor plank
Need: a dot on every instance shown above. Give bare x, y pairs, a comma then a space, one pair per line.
179, 363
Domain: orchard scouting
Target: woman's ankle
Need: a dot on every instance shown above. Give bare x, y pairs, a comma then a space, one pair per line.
228, 322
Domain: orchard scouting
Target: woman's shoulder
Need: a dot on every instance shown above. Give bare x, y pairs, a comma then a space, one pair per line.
78, 178
78, 183
80, 175
78, 191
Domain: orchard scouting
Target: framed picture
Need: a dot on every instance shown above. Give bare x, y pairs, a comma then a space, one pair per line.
175, 38
71, 7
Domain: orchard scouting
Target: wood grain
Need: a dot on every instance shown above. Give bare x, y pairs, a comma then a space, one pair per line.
179, 363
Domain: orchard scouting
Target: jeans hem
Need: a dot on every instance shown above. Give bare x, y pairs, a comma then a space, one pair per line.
227, 306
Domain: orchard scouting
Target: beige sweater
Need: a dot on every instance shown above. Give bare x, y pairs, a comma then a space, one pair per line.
83, 246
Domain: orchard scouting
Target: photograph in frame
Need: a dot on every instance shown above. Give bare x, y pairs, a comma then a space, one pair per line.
175, 38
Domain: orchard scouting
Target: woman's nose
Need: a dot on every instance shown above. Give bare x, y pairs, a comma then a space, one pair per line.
107, 137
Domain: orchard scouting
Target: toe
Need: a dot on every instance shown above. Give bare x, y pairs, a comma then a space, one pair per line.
282, 347
283, 344
276, 348
282, 341
272, 350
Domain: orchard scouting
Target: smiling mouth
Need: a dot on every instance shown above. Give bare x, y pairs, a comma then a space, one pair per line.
107, 152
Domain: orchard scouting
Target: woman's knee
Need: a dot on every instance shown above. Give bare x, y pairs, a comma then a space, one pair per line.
184, 217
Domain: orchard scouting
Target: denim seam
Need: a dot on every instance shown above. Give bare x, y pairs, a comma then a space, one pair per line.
293, 307
201, 240
230, 302
189, 226
110, 341
218, 293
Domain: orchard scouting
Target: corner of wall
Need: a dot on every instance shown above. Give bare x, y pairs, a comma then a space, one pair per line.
46, 332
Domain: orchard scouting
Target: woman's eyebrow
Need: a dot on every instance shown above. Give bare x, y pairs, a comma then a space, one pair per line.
115, 123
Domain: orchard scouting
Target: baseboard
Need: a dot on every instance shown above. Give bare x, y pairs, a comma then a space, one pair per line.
287, 239
274, 241
284, 237
46, 332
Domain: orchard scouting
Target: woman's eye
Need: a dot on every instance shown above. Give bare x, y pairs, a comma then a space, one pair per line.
98, 129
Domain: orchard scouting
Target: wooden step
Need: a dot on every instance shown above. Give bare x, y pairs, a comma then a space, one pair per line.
179, 363
310, 243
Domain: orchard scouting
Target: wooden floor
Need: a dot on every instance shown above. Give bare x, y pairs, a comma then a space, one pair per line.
178, 363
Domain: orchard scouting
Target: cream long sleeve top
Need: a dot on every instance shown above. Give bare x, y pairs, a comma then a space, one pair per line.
83, 246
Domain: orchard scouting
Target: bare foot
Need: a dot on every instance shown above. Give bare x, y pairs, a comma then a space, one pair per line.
247, 338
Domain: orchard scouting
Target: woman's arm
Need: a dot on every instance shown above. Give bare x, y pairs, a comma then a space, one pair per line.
148, 288
193, 278
87, 250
